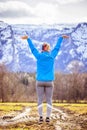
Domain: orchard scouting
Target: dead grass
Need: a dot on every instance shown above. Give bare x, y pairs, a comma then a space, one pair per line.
79, 109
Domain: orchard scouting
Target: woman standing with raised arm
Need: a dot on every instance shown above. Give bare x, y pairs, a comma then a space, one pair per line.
45, 74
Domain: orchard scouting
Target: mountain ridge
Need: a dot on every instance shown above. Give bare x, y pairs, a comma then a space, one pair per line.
16, 55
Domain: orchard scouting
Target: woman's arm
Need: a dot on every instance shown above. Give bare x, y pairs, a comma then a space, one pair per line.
32, 47
55, 51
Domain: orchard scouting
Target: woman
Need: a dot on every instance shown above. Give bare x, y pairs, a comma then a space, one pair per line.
45, 74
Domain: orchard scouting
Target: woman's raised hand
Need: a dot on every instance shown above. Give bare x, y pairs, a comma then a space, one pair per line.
24, 37
65, 36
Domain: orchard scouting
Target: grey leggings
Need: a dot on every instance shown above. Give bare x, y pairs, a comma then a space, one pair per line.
47, 89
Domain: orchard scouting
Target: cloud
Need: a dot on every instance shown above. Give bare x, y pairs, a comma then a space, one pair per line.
68, 1
15, 9
43, 11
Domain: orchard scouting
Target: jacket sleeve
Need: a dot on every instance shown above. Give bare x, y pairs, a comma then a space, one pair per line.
55, 51
33, 49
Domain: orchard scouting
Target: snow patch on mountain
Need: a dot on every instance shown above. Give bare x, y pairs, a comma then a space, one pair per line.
6, 43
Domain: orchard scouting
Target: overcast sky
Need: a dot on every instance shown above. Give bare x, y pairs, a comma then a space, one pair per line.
43, 11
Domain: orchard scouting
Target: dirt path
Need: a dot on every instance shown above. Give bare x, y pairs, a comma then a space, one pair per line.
72, 121
61, 119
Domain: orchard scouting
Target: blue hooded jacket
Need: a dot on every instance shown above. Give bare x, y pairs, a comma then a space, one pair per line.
45, 61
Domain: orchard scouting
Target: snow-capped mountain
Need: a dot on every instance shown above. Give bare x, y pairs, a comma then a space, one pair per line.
15, 52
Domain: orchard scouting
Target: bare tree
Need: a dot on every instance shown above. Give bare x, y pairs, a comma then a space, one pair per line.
3, 71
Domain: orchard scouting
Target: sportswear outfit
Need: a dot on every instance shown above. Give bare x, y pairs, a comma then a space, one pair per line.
45, 74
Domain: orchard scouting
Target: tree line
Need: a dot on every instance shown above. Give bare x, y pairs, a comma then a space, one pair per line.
20, 87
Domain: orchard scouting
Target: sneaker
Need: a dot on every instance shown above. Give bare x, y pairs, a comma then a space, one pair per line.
40, 120
47, 119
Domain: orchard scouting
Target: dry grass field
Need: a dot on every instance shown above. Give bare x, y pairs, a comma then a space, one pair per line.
24, 116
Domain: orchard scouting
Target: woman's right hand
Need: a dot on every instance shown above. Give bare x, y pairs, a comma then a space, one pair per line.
65, 36
24, 37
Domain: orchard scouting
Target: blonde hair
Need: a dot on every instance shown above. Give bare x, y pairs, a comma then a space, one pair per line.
45, 45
